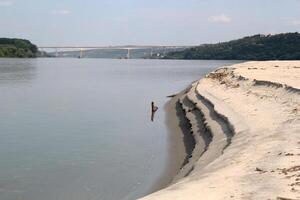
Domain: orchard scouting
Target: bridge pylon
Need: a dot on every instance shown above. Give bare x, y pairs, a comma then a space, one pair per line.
81, 53
128, 54
56, 52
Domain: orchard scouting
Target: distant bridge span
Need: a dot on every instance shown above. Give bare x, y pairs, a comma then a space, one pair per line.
125, 47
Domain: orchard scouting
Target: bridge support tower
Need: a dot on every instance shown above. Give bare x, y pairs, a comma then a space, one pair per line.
81, 53
128, 54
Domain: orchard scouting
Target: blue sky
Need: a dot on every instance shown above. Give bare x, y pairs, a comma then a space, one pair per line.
165, 22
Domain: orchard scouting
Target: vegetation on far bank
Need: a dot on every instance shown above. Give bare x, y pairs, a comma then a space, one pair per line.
258, 47
17, 48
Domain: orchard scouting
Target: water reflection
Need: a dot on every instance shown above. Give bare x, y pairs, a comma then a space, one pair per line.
17, 70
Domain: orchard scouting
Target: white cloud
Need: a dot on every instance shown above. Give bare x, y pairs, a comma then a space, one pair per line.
5, 3
220, 19
295, 22
61, 12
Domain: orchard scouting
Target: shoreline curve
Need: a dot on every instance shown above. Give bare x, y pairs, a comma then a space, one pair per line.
239, 126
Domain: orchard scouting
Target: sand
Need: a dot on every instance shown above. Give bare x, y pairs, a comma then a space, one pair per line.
245, 123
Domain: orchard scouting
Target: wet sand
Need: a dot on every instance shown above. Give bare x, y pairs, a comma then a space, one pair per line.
180, 142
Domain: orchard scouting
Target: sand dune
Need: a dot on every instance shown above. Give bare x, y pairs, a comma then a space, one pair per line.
245, 123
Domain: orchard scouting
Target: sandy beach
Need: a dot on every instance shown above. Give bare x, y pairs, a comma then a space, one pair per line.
240, 126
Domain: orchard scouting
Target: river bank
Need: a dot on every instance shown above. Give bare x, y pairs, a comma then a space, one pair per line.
73, 142
241, 128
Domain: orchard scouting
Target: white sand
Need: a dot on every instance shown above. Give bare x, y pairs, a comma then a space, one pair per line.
258, 102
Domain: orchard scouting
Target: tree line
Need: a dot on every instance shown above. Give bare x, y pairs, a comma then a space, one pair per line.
284, 46
17, 48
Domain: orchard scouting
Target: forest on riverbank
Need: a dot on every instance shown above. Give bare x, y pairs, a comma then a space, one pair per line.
17, 48
284, 46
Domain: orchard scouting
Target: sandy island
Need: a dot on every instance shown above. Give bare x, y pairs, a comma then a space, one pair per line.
241, 129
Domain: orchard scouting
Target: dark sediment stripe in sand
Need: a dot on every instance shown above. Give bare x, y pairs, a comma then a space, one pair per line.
182, 139
203, 130
185, 126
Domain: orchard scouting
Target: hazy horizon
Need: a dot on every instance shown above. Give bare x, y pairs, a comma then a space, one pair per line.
116, 22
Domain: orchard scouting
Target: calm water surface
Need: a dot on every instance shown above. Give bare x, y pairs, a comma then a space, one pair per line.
79, 129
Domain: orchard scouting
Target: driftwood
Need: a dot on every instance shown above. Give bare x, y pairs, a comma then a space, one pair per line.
171, 96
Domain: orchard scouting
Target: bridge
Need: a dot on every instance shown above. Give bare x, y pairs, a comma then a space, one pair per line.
81, 49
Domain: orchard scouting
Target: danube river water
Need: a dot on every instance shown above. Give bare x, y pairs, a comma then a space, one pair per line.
80, 129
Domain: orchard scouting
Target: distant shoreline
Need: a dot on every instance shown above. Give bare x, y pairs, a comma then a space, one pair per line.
284, 46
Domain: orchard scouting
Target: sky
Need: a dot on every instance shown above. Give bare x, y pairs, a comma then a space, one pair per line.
144, 22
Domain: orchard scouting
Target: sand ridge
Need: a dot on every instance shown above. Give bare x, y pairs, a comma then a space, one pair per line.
252, 111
